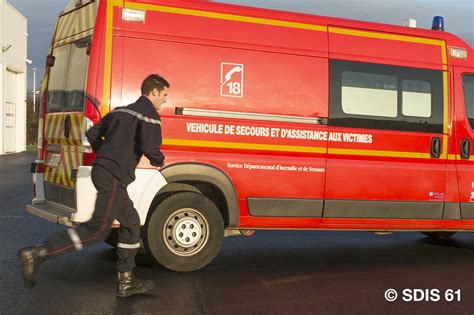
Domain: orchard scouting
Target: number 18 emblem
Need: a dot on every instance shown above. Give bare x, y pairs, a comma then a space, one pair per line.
232, 79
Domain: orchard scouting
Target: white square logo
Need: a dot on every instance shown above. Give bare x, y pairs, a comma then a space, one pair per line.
232, 79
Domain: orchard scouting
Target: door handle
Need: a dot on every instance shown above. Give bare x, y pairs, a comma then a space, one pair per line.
465, 149
435, 150
67, 124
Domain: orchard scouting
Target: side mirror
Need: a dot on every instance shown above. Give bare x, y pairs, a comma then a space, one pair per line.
50, 60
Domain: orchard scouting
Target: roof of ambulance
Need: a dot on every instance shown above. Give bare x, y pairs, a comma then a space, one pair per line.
298, 17
206, 5
450, 39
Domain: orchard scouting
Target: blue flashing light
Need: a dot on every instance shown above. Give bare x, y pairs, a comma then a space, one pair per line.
438, 24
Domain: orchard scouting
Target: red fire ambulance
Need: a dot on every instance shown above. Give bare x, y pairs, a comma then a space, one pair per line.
275, 120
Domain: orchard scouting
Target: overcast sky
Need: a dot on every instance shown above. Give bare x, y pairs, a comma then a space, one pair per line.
458, 15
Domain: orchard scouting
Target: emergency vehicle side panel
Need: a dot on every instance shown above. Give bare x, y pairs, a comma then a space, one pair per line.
204, 148
248, 151
464, 85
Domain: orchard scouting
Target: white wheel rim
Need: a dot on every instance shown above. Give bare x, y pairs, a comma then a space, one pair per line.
186, 232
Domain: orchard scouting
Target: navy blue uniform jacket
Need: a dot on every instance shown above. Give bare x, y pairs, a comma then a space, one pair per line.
124, 135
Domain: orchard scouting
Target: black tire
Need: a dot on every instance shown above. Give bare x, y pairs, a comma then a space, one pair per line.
443, 235
112, 239
184, 232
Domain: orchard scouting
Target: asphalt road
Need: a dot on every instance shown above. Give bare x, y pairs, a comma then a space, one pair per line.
277, 272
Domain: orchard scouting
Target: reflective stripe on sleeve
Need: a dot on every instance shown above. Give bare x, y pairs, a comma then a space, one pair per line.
75, 238
138, 115
128, 246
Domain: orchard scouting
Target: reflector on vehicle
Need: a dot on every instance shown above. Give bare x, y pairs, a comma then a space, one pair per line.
458, 53
132, 15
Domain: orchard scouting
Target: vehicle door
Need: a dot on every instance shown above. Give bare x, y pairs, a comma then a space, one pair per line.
464, 126
387, 146
63, 127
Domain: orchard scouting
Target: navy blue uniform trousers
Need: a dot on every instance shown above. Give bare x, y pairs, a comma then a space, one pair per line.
112, 203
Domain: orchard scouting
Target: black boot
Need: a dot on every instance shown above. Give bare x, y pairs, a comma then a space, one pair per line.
30, 259
128, 285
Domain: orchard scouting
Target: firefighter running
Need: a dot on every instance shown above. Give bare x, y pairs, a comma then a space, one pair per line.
118, 151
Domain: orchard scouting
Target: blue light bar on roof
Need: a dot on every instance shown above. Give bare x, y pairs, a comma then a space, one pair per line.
438, 24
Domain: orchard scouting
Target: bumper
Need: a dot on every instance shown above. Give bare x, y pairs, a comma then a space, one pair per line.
52, 212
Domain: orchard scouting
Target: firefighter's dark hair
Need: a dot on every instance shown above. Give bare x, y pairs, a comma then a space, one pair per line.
154, 81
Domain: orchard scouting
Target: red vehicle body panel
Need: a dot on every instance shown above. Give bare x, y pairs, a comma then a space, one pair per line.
286, 58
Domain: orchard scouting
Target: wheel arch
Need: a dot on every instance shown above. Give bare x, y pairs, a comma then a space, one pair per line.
206, 180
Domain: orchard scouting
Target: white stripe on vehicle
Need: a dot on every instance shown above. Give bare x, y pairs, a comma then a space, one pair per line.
128, 246
76, 240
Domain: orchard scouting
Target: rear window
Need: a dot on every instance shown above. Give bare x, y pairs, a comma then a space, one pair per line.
67, 78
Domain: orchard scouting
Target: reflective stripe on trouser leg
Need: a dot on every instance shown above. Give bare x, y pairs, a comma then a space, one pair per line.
128, 246
76, 240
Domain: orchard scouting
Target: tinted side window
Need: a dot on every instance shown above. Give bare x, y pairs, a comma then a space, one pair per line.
369, 94
373, 96
416, 98
468, 87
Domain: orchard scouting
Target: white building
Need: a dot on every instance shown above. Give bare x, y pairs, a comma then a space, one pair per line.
13, 75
